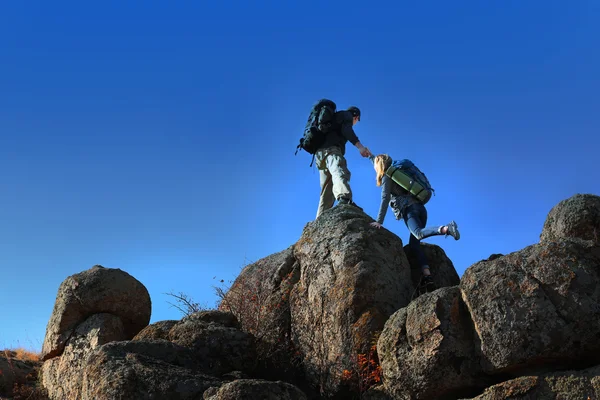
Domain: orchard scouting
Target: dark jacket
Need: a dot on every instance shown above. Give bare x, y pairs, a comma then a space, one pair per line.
342, 132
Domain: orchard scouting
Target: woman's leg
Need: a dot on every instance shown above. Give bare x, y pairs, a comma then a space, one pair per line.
421, 232
415, 218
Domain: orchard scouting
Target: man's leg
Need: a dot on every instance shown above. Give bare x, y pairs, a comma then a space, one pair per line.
340, 175
326, 198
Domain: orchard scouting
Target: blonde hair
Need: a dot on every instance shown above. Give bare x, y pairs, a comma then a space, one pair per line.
381, 163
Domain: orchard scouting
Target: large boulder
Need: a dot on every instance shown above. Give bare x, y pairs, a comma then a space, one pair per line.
557, 385
252, 389
259, 296
352, 278
62, 376
95, 291
537, 308
576, 217
215, 338
427, 349
216, 341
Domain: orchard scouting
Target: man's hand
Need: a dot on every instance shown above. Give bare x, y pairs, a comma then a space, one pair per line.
375, 225
364, 151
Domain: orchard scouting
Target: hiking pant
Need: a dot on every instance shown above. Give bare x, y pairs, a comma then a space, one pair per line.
415, 218
334, 177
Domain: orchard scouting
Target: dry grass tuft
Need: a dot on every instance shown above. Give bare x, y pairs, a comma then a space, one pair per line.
27, 387
22, 354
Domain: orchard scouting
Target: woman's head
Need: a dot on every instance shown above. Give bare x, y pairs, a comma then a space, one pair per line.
381, 163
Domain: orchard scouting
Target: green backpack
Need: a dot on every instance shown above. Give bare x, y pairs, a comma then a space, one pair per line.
406, 174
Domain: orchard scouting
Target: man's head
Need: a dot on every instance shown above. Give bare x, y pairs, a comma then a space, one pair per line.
355, 114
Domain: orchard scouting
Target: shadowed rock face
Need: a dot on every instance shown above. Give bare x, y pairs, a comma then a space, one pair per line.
427, 349
216, 341
143, 370
95, 291
441, 267
577, 217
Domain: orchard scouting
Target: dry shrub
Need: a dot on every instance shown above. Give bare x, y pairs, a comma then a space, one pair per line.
30, 390
185, 304
367, 370
265, 314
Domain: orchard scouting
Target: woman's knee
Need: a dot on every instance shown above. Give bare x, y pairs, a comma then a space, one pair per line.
418, 234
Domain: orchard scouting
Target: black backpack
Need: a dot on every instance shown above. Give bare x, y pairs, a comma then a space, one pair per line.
320, 123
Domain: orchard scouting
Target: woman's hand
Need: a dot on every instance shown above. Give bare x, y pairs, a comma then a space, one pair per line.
375, 225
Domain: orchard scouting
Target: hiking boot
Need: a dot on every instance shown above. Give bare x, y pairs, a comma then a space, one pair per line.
349, 202
453, 230
428, 283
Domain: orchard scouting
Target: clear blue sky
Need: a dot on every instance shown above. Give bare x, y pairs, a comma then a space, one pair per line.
159, 137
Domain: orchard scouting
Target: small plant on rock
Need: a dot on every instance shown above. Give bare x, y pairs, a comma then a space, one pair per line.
367, 370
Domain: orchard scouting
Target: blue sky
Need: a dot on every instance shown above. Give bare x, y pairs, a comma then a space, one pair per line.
159, 137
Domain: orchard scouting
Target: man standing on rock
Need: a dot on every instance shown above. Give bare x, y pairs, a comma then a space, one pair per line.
334, 175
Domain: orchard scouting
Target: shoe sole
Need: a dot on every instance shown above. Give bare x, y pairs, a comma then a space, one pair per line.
456, 231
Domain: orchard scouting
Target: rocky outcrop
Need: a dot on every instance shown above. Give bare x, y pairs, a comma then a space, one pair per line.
526, 315
324, 299
153, 369
95, 291
200, 351
537, 308
519, 325
114, 355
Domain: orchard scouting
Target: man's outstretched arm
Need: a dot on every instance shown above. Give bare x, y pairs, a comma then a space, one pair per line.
349, 134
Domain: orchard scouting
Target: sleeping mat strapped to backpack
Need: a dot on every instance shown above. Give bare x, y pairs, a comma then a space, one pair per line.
407, 175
